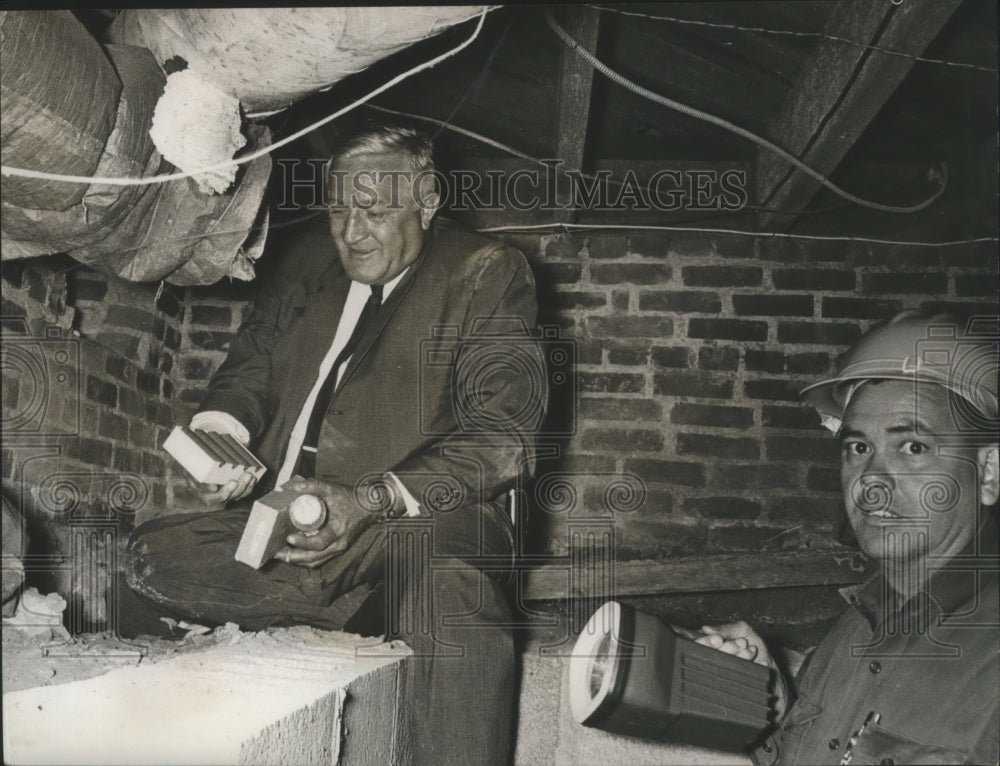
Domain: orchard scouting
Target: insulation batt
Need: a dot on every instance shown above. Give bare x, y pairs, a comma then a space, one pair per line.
196, 125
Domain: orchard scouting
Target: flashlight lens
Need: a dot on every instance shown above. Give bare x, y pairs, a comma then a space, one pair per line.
600, 665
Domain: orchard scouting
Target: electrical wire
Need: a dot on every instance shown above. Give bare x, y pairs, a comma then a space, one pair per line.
590, 177
793, 33
26, 173
712, 119
738, 232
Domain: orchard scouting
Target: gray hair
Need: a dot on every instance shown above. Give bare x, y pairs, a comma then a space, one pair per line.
385, 139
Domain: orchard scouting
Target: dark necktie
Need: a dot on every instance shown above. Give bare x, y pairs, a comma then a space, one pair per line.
307, 457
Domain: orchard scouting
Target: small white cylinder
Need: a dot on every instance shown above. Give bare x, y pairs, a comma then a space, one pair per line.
307, 512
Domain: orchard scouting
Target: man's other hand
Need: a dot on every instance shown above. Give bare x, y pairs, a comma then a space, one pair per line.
345, 520
740, 639
215, 497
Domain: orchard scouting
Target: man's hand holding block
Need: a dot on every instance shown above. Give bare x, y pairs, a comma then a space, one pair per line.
211, 458
271, 522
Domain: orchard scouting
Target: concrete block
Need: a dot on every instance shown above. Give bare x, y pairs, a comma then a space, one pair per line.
296, 696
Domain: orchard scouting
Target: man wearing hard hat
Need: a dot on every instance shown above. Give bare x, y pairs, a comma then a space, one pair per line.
911, 671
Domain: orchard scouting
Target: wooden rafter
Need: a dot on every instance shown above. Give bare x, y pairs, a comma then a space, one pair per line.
841, 89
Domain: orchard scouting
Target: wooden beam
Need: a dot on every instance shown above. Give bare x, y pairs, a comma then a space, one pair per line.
841, 89
699, 574
576, 80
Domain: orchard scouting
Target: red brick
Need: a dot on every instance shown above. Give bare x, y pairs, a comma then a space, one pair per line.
818, 333
683, 301
773, 305
823, 478
812, 279
607, 245
102, 391
670, 356
781, 249
571, 300
790, 417
113, 426
780, 389
563, 247
727, 329
721, 416
764, 361
722, 276
630, 327
126, 459
621, 440
616, 408
752, 478
718, 358
667, 471
631, 356
652, 243
895, 282
130, 403
142, 435
722, 507
722, 447
976, 285
611, 383
153, 465
560, 273
147, 382
129, 316
653, 536
621, 299
213, 316
89, 288
691, 383
123, 345
629, 273
95, 451
895, 257
819, 448
809, 363
168, 303
859, 308
210, 340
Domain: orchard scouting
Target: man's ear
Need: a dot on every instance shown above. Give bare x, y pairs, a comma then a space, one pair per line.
428, 198
988, 460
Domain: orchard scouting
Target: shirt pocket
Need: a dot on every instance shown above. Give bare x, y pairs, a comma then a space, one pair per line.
878, 745
795, 730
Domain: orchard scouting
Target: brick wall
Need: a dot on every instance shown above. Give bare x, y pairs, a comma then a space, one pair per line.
690, 353
87, 389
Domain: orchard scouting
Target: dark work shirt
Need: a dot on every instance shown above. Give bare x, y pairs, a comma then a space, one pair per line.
925, 674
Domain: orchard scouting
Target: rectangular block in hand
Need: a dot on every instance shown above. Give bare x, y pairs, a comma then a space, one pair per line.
266, 529
211, 458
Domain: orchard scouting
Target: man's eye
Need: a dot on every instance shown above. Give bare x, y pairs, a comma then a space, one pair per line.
856, 448
337, 210
376, 215
914, 448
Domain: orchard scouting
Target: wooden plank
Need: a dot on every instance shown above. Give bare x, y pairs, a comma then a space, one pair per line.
704, 573
841, 89
576, 79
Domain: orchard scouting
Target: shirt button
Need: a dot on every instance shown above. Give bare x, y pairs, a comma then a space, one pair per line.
875, 667
833, 744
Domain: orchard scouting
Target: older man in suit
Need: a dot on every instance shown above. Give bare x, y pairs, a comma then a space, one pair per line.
386, 375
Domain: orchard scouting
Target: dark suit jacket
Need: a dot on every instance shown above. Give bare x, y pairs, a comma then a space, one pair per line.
445, 389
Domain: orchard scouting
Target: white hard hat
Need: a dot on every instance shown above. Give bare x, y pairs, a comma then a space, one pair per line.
928, 349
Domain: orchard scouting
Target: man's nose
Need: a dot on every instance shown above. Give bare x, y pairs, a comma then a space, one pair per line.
355, 229
875, 486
